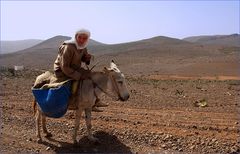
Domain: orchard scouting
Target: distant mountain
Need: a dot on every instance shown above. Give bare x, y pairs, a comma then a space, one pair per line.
229, 40
13, 46
152, 44
41, 54
160, 54
53, 44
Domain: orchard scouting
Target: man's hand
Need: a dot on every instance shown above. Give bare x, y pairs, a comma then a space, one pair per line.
87, 58
85, 74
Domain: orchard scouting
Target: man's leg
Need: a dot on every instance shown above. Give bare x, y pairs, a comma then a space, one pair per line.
72, 101
98, 103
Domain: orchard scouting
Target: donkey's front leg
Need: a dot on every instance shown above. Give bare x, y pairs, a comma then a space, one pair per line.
37, 120
46, 133
89, 125
78, 114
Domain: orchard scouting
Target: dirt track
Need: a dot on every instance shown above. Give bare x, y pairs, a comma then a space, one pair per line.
160, 116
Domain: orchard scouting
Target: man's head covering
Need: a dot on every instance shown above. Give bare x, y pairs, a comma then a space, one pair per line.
74, 41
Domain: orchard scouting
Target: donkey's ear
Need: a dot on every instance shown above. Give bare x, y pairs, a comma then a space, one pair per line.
112, 65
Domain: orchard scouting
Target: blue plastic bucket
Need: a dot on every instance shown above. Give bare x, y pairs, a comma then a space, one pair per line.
54, 101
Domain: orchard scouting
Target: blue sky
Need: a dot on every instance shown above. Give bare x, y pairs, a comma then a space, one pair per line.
118, 21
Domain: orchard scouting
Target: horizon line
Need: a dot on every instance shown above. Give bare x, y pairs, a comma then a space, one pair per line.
128, 41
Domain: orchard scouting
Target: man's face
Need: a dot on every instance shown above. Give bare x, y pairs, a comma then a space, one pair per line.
81, 39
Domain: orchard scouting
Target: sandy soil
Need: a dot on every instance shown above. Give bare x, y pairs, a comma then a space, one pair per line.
160, 116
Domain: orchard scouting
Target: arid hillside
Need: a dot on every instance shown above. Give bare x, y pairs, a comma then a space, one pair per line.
158, 55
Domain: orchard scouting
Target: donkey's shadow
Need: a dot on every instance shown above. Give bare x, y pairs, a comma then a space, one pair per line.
108, 144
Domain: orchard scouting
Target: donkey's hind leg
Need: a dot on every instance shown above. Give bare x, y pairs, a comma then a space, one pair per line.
38, 116
45, 131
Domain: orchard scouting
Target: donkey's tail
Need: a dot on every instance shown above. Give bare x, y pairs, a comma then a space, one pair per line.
34, 106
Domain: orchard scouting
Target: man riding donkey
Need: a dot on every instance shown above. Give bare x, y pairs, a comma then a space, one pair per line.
68, 64
52, 91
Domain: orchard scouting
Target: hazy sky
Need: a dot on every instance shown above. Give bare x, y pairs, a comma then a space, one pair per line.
117, 21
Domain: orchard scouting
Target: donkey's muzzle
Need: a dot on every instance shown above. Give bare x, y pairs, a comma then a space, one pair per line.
125, 98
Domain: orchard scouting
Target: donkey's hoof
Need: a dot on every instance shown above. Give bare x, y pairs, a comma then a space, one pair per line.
48, 134
75, 142
39, 140
94, 139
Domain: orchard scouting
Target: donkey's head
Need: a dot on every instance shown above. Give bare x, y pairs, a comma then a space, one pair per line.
118, 83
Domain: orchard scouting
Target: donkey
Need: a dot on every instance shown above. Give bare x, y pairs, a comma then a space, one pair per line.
110, 81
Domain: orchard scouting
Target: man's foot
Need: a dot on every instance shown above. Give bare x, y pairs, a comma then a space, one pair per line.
99, 103
95, 109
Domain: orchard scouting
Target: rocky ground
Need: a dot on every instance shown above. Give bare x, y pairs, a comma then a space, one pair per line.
160, 116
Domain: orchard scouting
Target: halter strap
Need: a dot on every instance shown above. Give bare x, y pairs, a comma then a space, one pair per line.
95, 85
